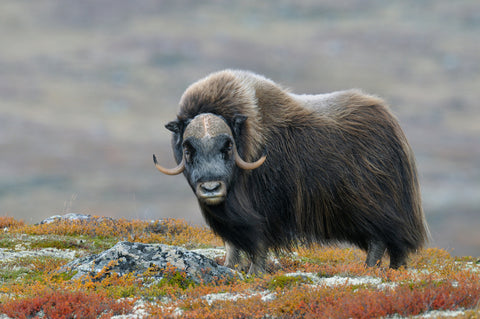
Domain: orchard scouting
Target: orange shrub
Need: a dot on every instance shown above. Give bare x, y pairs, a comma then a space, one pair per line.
10, 222
166, 231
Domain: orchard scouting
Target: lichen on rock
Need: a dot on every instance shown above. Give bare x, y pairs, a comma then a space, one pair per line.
154, 259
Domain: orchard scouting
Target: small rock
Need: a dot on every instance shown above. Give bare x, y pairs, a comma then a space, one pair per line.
137, 258
70, 217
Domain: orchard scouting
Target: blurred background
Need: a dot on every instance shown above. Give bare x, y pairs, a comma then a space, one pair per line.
87, 86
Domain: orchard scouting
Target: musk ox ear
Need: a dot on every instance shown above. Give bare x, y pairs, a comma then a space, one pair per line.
174, 126
237, 124
177, 127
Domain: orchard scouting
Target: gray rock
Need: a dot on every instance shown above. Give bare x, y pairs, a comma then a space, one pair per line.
137, 258
70, 217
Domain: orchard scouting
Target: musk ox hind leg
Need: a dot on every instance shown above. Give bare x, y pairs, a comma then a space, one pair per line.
398, 258
376, 249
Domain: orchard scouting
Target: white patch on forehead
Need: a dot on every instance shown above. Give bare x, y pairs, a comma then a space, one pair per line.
206, 125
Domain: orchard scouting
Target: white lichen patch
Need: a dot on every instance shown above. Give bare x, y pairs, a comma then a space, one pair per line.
228, 296
10, 254
211, 253
317, 280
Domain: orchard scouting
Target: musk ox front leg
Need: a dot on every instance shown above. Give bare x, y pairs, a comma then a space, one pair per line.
233, 258
259, 260
258, 265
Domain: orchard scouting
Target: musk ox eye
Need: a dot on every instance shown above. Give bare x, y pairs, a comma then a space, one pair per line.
188, 153
227, 150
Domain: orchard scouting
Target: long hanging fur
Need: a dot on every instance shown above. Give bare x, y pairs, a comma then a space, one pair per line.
338, 168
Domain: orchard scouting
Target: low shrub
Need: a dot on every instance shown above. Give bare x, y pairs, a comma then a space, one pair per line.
65, 304
10, 222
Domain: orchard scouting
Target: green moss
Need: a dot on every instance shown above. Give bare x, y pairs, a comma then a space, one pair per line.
123, 292
178, 280
64, 276
80, 242
324, 274
8, 275
59, 243
29, 269
9, 241
283, 281
154, 292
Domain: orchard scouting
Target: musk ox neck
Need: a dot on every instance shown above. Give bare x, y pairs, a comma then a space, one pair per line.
241, 228
254, 216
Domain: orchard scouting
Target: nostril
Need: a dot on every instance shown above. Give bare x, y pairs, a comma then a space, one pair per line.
210, 186
211, 193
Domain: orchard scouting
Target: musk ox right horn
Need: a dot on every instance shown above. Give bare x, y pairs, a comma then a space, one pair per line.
246, 165
170, 171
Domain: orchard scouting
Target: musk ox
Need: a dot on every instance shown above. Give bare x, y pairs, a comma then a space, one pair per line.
271, 169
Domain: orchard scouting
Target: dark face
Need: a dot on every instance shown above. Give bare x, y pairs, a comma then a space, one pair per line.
206, 152
209, 166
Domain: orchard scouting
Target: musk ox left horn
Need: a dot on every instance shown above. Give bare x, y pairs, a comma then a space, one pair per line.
246, 165
170, 171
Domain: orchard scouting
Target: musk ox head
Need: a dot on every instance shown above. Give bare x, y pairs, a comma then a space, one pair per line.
209, 157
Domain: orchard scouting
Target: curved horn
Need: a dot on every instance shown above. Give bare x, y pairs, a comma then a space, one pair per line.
170, 171
245, 165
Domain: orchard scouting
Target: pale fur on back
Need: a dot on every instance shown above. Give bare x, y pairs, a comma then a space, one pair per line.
332, 101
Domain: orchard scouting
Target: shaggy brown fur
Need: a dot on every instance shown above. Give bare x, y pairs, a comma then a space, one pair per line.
338, 168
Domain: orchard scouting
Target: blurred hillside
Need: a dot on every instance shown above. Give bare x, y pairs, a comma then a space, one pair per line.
87, 86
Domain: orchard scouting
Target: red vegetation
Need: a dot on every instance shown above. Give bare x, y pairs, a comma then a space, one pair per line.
63, 305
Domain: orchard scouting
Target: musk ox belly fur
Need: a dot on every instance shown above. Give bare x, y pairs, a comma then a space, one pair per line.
336, 168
